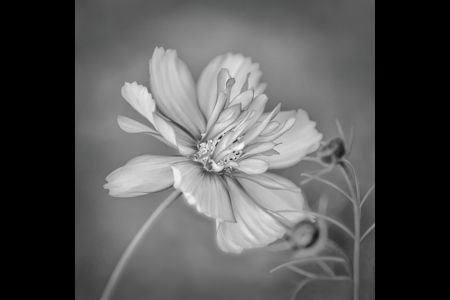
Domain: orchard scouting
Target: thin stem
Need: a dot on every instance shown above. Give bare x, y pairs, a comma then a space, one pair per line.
299, 287
313, 276
330, 184
307, 280
358, 193
367, 195
349, 182
340, 225
326, 268
367, 232
356, 252
335, 278
336, 248
339, 127
135, 243
357, 241
302, 272
308, 259
352, 138
317, 174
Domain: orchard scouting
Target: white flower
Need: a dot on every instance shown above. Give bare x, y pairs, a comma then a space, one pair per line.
226, 145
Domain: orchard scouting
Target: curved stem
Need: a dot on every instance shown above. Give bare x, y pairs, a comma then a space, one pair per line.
313, 276
317, 174
302, 272
307, 280
339, 127
136, 242
350, 142
367, 232
299, 287
345, 172
367, 195
326, 268
308, 259
358, 193
330, 184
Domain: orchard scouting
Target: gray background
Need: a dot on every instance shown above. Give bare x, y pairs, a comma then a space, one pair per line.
315, 55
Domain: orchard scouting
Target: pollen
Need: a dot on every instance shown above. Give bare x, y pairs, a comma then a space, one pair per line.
205, 155
205, 150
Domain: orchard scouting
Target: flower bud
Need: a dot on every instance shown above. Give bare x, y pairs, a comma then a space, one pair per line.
333, 151
305, 234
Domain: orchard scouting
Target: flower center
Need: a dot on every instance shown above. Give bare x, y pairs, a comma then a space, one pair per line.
207, 157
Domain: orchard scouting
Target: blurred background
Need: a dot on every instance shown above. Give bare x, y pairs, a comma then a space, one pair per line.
315, 55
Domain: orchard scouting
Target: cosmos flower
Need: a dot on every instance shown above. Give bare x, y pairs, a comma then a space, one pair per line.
226, 144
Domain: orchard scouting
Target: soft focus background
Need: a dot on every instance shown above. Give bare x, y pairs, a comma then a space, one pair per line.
315, 55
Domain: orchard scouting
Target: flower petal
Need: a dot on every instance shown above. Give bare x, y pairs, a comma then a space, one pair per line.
165, 129
174, 90
141, 175
254, 226
253, 166
187, 146
238, 66
132, 126
225, 121
251, 134
221, 102
244, 98
270, 181
297, 142
203, 189
265, 189
140, 99
257, 149
254, 112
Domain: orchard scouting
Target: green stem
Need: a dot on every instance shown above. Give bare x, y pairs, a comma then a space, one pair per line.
135, 243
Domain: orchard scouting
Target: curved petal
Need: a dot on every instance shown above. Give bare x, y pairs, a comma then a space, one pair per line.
254, 226
132, 126
238, 66
297, 142
167, 132
174, 90
266, 191
270, 181
140, 99
187, 146
141, 175
253, 166
165, 129
203, 189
